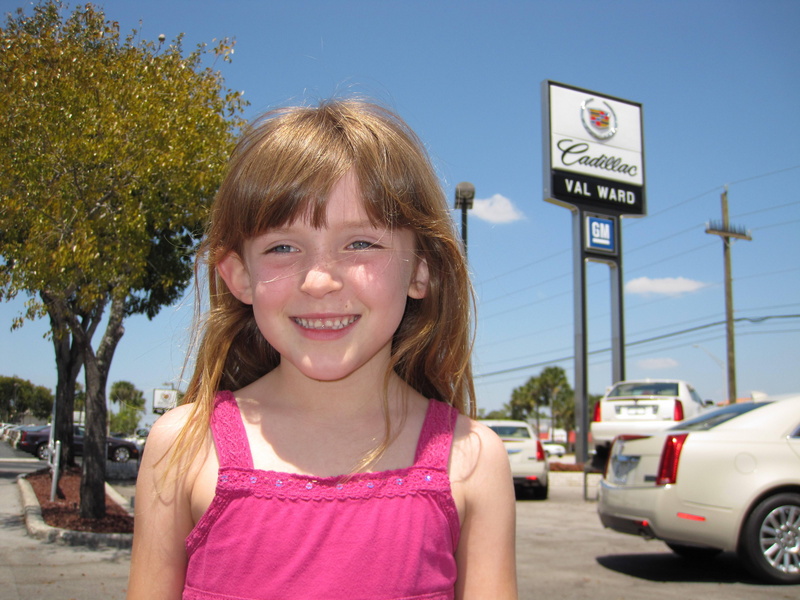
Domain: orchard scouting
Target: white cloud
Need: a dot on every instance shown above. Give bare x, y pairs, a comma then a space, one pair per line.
668, 286
497, 209
656, 364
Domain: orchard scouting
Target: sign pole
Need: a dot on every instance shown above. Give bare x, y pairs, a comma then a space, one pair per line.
617, 320
580, 359
593, 164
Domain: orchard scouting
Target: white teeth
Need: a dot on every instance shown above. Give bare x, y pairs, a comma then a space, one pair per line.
337, 323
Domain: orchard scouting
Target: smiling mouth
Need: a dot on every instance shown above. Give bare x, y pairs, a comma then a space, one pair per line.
334, 323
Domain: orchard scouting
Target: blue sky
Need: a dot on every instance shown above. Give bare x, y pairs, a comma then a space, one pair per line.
718, 83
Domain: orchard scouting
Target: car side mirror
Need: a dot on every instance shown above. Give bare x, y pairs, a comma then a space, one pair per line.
709, 403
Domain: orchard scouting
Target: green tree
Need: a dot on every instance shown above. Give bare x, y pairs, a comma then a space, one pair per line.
130, 407
111, 149
548, 389
522, 404
500, 414
125, 420
20, 396
553, 390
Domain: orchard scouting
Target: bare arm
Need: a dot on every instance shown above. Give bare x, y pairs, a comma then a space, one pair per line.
486, 554
162, 517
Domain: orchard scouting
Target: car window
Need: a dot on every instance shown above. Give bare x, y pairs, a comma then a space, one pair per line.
511, 431
717, 417
644, 388
695, 396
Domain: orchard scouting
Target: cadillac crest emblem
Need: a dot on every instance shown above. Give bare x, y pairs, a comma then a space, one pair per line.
598, 118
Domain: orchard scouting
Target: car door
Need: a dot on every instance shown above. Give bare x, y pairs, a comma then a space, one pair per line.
77, 440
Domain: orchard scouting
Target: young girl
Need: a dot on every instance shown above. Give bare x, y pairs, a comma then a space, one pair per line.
325, 449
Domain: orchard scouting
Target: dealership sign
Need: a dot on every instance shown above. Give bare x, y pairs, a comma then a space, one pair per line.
593, 151
601, 234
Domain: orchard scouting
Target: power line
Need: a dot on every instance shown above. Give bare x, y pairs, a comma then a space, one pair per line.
636, 343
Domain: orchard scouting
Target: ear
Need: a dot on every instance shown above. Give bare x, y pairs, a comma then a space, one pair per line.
418, 288
236, 277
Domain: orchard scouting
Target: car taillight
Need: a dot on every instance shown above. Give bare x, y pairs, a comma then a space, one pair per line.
670, 456
677, 412
22, 436
540, 455
596, 415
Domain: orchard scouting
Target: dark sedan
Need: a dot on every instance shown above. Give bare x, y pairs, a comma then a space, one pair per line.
35, 441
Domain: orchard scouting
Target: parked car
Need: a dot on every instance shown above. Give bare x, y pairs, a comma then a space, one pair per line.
553, 449
35, 441
642, 407
728, 480
528, 460
15, 433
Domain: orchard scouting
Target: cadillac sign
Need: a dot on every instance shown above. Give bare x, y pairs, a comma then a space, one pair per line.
593, 151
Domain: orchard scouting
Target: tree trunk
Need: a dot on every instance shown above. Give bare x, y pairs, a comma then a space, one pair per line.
93, 475
69, 361
96, 367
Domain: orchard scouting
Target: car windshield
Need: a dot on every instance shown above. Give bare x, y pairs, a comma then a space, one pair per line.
644, 388
717, 417
511, 431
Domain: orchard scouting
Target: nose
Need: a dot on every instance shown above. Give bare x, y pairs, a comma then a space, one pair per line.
322, 277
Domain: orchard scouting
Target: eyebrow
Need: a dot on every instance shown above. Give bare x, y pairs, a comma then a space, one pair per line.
347, 226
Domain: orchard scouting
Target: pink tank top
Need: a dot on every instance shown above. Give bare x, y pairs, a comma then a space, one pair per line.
390, 535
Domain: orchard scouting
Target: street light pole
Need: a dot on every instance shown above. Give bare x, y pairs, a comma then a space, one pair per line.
465, 197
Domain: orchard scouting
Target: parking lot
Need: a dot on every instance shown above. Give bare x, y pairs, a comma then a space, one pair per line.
563, 552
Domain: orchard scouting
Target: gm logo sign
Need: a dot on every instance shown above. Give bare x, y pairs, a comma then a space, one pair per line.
601, 234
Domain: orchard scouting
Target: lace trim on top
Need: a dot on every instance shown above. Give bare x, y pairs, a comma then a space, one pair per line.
291, 486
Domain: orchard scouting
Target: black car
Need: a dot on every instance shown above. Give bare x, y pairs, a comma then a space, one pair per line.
35, 441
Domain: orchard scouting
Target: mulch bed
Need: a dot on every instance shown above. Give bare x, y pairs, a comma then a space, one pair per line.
65, 511
560, 467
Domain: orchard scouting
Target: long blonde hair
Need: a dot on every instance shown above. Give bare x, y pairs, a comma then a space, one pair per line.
282, 169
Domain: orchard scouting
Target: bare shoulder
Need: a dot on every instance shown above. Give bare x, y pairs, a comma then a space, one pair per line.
170, 445
476, 450
166, 430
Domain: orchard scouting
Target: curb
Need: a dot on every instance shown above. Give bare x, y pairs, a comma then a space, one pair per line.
37, 528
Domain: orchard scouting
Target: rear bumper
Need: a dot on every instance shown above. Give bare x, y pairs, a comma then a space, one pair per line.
530, 474
629, 526
660, 513
531, 481
27, 446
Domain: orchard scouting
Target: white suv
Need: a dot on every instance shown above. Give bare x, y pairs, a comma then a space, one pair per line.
642, 407
529, 465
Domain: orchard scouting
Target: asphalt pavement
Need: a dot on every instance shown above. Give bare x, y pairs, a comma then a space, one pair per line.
31, 568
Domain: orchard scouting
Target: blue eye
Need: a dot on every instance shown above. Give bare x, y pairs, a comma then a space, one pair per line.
281, 249
362, 245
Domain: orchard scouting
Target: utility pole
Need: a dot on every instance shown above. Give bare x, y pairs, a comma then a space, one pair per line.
727, 232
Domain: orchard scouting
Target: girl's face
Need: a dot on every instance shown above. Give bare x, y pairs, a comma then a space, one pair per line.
329, 300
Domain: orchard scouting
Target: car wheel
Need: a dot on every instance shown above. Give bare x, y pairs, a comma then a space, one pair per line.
42, 453
121, 454
693, 552
770, 543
